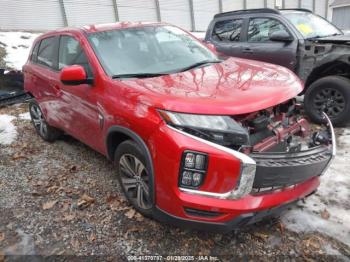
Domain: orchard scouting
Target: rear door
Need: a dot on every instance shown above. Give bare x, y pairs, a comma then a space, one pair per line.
43, 74
258, 46
226, 36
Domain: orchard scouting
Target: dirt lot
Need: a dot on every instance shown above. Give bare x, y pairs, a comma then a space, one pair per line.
64, 199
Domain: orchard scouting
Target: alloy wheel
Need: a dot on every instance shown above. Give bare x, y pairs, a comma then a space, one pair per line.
330, 101
38, 120
135, 180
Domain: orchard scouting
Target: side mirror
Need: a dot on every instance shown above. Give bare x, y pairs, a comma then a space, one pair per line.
281, 36
74, 75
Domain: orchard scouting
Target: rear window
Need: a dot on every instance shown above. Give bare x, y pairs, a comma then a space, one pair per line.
46, 52
228, 30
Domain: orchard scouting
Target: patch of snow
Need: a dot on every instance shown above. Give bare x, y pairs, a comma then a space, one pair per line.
25, 116
17, 45
333, 195
8, 130
333, 252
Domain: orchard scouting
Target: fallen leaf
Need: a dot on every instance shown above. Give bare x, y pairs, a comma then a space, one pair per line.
75, 243
73, 169
68, 217
92, 237
261, 235
139, 217
52, 189
325, 214
111, 198
85, 201
281, 227
49, 205
2, 236
130, 214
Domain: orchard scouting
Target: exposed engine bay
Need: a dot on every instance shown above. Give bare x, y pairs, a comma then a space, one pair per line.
280, 129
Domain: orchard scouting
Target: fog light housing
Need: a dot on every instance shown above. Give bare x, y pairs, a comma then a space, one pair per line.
193, 169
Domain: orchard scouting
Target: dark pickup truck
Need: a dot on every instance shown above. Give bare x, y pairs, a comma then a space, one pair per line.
317, 51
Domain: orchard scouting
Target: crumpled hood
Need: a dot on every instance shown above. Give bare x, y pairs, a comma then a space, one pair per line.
235, 86
337, 39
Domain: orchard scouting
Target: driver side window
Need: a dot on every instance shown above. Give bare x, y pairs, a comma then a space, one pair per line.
260, 29
71, 53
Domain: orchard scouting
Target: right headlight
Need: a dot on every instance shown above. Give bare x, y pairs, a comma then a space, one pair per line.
220, 129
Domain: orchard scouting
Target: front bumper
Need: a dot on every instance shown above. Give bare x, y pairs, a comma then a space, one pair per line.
226, 194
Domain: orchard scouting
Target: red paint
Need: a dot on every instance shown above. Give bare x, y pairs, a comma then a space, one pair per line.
236, 86
73, 73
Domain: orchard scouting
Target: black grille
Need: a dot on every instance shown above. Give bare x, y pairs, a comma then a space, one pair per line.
285, 169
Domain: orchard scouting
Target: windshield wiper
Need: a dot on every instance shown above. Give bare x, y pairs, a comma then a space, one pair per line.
199, 64
321, 36
138, 75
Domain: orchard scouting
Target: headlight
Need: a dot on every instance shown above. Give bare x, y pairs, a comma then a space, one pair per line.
220, 129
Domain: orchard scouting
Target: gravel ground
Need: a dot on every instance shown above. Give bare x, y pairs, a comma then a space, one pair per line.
64, 199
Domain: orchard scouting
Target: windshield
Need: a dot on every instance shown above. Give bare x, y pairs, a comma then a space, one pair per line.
148, 51
310, 25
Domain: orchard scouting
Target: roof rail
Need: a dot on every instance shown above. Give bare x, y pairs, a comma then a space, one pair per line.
247, 11
296, 9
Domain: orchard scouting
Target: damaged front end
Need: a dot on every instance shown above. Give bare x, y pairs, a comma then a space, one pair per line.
277, 147
286, 148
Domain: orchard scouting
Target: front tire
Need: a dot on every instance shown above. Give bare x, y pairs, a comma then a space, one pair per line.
44, 130
134, 177
331, 95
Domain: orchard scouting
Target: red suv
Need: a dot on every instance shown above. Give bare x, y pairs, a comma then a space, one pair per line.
195, 140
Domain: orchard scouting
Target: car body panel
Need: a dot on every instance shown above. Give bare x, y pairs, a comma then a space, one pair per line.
228, 88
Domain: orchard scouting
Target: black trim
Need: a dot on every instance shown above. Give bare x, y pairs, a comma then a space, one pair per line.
236, 223
201, 213
284, 169
136, 138
88, 81
248, 11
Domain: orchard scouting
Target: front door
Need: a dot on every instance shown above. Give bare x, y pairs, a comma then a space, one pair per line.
258, 46
82, 118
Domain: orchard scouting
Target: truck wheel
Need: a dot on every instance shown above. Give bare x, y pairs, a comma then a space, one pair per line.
134, 177
47, 132
331, 95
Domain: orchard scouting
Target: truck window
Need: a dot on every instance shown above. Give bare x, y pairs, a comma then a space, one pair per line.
227, 31
260, 29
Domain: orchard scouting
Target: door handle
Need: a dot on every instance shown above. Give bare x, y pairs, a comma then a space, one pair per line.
247, 50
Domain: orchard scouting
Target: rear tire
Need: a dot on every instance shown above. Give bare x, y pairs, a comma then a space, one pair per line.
134, 177
44, 130
330, 94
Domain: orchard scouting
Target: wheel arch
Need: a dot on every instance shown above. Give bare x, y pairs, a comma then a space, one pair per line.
336, 68
118, 134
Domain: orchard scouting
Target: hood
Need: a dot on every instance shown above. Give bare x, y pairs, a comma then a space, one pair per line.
337, 39
235, 86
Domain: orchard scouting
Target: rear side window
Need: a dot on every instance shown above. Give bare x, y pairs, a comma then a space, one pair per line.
228, 30
71, 53
46, 53
34, 55
260, 29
